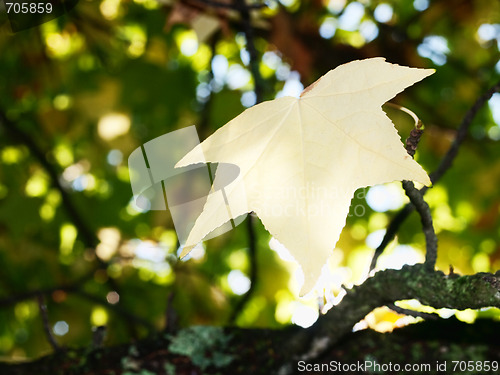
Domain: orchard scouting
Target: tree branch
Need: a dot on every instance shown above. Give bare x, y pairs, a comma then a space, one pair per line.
252, 253
447, 160
417, 199
433, 289
239, 7
127, 315
12, 300
417, 314
250, 41
46, 325
87, 236
171, 316
206, 109
444, 165
259, 90
75, 289
392, 230
85, 232
261, 351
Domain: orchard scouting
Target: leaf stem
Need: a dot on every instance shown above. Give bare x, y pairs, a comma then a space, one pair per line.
435, 176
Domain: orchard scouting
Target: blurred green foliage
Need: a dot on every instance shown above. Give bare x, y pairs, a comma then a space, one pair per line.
93, 85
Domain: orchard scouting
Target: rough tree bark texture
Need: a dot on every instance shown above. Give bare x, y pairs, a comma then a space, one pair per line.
215, 350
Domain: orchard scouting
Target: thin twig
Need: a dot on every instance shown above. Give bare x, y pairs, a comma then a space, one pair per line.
252, 253
203, 128
75, 289
259, 90
46, 324
116, 308
447, 160
12, 300
252, 51
435, 176
391, 231
171, 316
98, 336
411, 147
416, 314
417, 199
87, 235
238, 7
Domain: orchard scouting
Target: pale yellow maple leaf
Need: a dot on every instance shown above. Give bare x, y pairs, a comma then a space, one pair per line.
301, 159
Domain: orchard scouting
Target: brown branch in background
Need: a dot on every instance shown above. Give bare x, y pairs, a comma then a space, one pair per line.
411, 145
9, 301
447, 160
416, 314
252, 253
84, 231
87, 236
444, 165
171, 317
75, 289
417, 199
392, 230
203, 128
252, 51
237, 6
98, 336
116, 308
46, 324
259, 91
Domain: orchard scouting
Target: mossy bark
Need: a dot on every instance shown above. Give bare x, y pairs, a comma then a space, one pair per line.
231, 350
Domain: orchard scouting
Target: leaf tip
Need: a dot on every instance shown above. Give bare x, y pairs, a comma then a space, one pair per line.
306, 289
186, 250
311, 277
423, 179
429, 71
